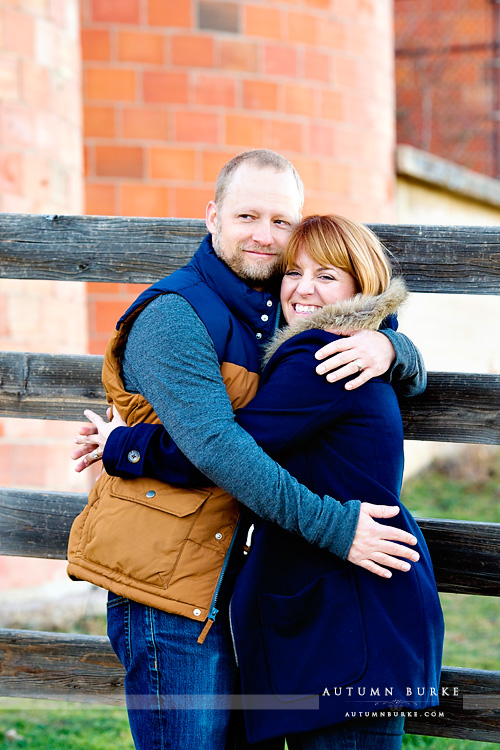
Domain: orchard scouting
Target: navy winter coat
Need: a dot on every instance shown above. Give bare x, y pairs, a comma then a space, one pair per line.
306, 623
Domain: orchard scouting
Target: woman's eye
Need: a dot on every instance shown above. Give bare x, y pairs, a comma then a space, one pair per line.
292, 273
327, 277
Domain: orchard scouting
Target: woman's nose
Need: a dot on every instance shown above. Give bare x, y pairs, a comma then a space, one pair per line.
305, 286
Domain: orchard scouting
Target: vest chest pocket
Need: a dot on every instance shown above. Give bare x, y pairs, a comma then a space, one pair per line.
138, 528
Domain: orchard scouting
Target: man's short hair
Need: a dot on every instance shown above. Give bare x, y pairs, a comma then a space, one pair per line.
261, 158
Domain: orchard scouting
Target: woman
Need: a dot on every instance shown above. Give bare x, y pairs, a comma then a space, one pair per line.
320, 641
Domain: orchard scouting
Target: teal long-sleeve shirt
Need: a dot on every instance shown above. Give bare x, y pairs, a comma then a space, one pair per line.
171, 361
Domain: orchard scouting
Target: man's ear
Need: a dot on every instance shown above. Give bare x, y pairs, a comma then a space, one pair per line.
211, 217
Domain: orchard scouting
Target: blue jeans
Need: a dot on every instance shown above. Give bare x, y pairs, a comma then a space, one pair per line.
362, 733
179, 692
170, 678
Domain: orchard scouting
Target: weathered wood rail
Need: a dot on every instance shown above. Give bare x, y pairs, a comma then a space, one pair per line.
457, 407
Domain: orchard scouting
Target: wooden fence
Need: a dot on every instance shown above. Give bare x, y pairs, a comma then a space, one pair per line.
456, 407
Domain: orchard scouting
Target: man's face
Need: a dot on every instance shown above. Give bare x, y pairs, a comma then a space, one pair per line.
252, 227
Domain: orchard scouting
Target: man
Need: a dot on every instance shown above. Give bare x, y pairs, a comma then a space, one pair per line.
180, 346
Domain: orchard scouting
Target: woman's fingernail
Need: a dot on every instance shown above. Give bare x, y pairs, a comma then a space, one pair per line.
405, 566
320, 369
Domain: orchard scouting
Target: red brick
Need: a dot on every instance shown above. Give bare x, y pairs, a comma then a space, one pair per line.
323, 4
103, 83
119, 161
193, 51
35, 84
333, 105
116, 11
260, 95
9, 79
302, 27
262, 22
309, 170
99, 199
145, 200
300, 100
212, 163
335, 178
283, 135
159, 86
98, 345
145, 123
172, 163
280, 60
242, 130
317, 66
96, 44
10, 172
196, 127
215, 91
134, 289
191, 203
321, 139
170, 13
99, 122
106, 313
18, 32
332, 34
16, 125
236, 55
88, 160
141, 47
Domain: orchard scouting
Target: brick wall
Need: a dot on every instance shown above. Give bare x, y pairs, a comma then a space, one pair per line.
172, 90
40, 172
445, 79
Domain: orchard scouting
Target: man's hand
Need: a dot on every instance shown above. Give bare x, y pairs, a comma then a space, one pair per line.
92, 437
368, 352
374, 544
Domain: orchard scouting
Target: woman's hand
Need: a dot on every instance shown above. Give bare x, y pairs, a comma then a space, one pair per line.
92, 438
374, 544
368, 353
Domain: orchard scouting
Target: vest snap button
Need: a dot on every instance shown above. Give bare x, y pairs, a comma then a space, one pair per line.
150, 493
258, 335
196, 612
269, 303
264, 318
133, 456
218, 535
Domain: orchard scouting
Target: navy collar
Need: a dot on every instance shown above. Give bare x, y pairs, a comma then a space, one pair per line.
246, 303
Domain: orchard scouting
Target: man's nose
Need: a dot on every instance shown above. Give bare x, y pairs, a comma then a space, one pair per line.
263, 234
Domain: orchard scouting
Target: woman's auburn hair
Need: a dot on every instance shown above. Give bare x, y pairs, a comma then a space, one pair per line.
336, 241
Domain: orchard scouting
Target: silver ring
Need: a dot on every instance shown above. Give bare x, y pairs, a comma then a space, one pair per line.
359, 365
96, 455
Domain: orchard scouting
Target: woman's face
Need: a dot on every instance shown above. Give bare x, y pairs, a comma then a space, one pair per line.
307, 287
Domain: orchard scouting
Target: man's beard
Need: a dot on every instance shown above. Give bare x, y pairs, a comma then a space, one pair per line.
250, 272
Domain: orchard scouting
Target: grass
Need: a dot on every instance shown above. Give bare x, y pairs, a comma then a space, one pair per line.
466, 487
47, 725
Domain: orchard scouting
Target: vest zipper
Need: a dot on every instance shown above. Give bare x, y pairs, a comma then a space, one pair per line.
213, 611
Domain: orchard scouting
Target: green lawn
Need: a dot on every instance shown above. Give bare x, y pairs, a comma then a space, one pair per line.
47, 725
467, 488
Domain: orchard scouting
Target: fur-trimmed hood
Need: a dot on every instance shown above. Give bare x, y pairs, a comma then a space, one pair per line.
361, 312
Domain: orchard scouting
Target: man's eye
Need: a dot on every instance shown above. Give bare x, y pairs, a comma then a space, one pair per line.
282, 222
246, 216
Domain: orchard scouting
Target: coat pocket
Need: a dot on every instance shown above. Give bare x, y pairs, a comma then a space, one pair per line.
137, 528
314, 639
